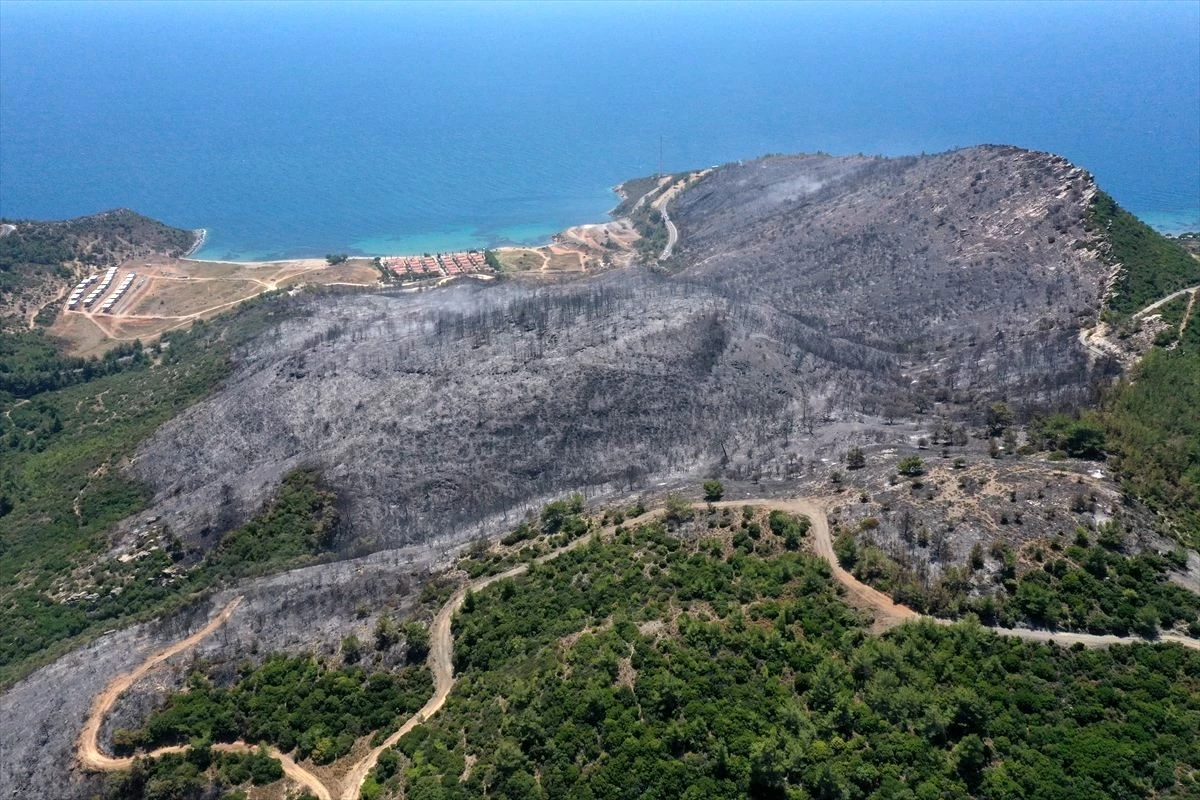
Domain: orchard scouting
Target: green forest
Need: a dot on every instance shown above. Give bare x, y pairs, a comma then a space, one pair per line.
1152, 266
701, 676
295, 526
38, 251
712, 662
295, 703
59, 494
194, 774
299, 704
1151, 419
30, 364
1154, 435
650, 224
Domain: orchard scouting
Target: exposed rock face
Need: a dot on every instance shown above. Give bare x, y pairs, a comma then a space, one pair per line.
818, 291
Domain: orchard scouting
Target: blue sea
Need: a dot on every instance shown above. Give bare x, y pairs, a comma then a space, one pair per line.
304, 129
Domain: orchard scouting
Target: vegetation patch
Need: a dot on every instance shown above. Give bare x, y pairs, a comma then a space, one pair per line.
297, 524
1154, 433
1090, 588
196, 773
747, 676
298, 704
61, 486
634, 190
1151, 265
650, 224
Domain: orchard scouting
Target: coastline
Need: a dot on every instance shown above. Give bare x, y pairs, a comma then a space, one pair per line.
1168, 223
546, 241
620, 192
201, 237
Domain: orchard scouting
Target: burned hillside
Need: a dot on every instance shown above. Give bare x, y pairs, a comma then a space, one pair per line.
969, 270
815, 293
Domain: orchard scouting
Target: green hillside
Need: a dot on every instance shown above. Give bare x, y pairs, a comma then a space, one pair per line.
1152, 266
718, 663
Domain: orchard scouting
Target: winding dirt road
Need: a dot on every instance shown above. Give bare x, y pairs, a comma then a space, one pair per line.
1097, 343
888, 613
89, 750
441, 649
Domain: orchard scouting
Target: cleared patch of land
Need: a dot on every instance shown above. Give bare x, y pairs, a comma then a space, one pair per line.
521, 259
564, 260
180, 298
169, 293
582, 248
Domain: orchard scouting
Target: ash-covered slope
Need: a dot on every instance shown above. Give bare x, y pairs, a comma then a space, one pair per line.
963, 266
820, 291
430, 413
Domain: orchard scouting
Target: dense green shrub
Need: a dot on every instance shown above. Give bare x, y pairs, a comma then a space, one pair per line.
1152, 266
781, 689
295, 703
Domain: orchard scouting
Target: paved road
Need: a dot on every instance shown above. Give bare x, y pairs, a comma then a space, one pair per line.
1157, 303
672, 234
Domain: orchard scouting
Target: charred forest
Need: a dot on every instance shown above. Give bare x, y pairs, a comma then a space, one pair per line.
808, 293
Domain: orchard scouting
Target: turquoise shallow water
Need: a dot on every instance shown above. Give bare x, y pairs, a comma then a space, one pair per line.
306, 129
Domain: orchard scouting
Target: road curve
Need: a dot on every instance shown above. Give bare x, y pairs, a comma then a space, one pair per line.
441, 664
441, 657
672, 234
89, 753
441, 649
1163, 301
88, 750
887, 614
890, 613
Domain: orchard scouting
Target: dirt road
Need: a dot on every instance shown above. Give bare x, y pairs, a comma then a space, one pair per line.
89, 750
441, 658
887, 613
1187, 314
1096, 341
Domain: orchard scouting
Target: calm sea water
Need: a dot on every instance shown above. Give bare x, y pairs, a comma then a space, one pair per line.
314, 128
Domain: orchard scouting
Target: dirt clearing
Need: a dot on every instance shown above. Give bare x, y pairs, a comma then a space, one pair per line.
170, 293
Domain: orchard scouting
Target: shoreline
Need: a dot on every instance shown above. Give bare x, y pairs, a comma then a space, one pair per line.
548, 240
306, 259
619, 191
1175, 232
201, 238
